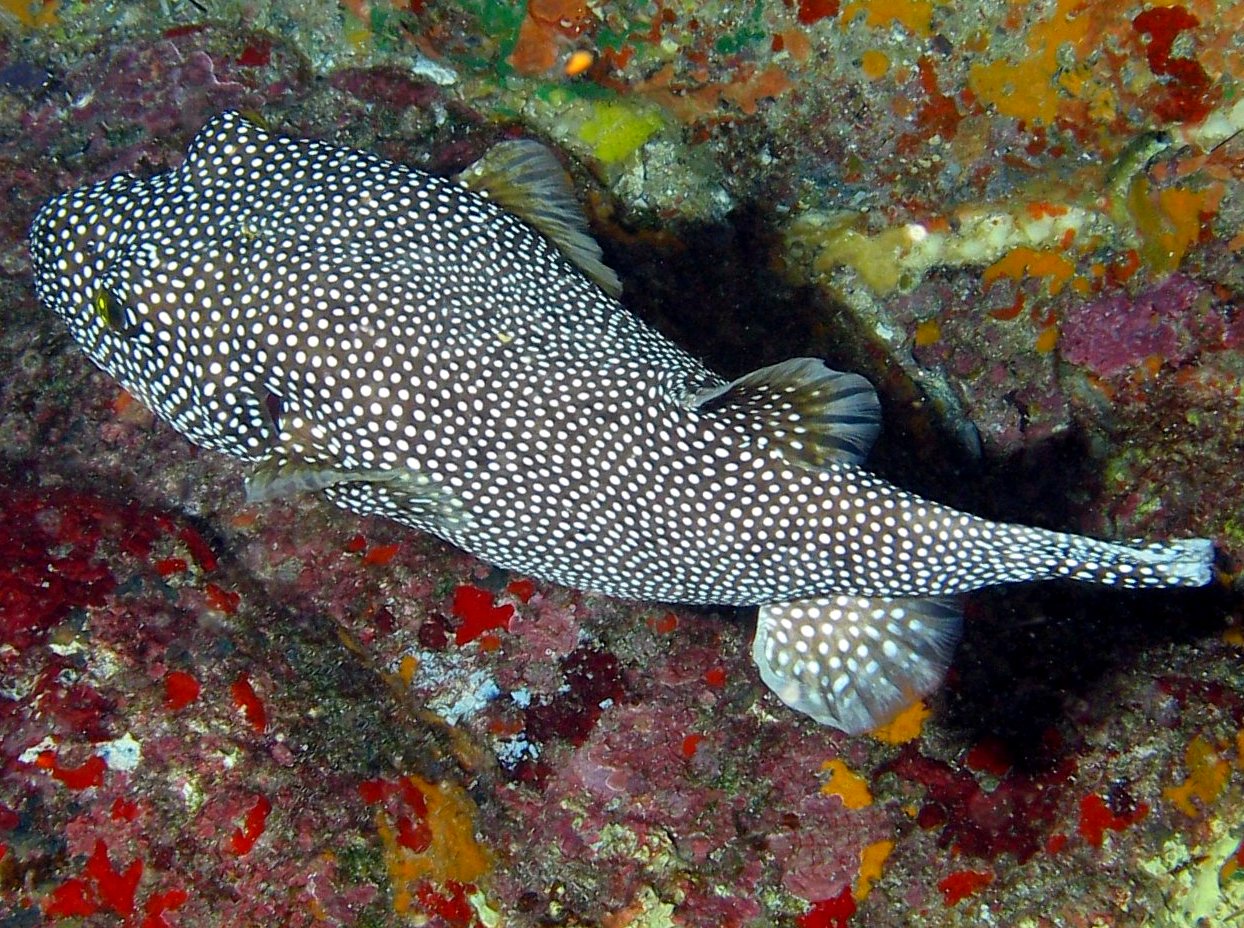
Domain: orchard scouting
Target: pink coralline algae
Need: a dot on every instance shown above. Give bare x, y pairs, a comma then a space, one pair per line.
142, 92
592, 679
1170, 323
1014, 817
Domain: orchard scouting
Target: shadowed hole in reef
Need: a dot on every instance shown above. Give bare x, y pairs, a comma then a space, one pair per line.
712, 290
1035, 655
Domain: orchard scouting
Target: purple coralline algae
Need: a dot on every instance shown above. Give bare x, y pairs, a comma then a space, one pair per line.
1169, 323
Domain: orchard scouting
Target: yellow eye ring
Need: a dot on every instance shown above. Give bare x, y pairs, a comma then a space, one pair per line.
103, 305
110, 312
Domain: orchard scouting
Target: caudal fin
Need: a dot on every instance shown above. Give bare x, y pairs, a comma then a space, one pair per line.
1185, 562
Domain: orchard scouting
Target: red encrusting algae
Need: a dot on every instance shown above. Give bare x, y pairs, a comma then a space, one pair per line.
479, 613
959, 885
252, 827
101, 888
180, 689
246, 699
50, 562
87, 774
1187, 94
829, 913
523, 590
222, 600
381, 554
1012, 817
811, 11
199, 549
1097, 817
159, 903
168, 566
123, 810
115, 887
72, 898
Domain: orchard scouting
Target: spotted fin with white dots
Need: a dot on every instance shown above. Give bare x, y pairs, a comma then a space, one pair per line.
212, 157
815, 415
1023, 553
302, 464
523, 176
293, 478
413, 493
1181, 562
854, 662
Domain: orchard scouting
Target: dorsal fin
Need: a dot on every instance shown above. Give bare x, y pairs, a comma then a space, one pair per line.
815, 415
523, 177
212, 147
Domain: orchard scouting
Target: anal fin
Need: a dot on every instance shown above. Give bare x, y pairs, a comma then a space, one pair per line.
854, 662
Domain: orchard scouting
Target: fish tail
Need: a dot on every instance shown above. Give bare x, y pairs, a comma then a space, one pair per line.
1183, 562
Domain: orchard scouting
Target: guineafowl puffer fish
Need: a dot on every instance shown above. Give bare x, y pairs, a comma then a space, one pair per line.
449, 352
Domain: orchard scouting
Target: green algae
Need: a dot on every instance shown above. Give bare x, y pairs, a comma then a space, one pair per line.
749, 33
615, 131
362, 863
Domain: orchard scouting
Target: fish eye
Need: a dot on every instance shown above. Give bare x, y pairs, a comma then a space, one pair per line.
109, 309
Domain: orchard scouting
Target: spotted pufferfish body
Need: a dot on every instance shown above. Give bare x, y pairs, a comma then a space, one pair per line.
408, 346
